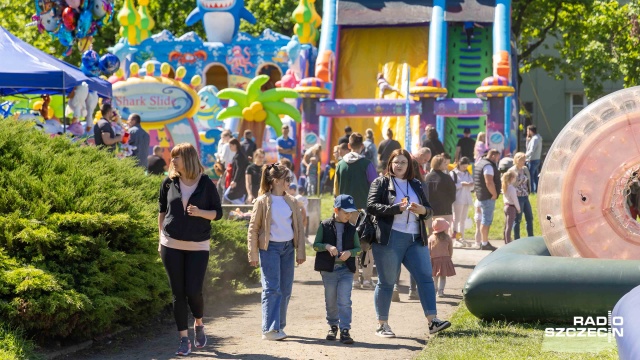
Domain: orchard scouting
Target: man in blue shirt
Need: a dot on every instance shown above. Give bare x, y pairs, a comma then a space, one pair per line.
286, 145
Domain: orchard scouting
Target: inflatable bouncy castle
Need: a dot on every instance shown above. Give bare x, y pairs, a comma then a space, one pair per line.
405, 65
227, 59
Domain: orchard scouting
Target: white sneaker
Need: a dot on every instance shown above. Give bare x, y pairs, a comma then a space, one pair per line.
459, 244
273, 335
356, 284
367, 285
384, 330
441, 293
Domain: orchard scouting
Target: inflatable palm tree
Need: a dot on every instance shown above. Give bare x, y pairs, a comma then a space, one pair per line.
257, 108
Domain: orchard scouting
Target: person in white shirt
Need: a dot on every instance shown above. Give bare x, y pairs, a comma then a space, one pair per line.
511, 203
224, 153
464, 185
533, 154
276, 242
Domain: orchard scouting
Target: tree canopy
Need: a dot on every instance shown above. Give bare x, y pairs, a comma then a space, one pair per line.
591, 40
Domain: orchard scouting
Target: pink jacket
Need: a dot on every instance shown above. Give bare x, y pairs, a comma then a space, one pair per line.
440, 248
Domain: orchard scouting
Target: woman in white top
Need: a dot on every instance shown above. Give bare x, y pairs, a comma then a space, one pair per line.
464, 185
275, 231
401, 209
511, 203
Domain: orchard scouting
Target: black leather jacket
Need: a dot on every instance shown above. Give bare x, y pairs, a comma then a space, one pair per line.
382, 195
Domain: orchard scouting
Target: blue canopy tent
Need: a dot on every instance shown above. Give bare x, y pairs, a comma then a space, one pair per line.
27, 70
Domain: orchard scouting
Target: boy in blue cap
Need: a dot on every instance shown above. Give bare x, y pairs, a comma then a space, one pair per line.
337, 244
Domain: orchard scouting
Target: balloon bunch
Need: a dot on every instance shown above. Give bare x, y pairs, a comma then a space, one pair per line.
72, 21
93, 64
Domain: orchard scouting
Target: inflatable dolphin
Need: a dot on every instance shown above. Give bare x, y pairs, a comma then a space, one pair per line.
221, 18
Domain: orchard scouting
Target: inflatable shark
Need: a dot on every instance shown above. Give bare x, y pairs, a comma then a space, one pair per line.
221, 18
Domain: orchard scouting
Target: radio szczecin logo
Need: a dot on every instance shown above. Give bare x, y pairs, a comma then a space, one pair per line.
590, 326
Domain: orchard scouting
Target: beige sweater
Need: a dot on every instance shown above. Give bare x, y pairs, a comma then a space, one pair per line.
260, 226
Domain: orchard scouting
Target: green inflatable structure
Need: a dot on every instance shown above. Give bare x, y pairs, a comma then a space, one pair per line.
521, 281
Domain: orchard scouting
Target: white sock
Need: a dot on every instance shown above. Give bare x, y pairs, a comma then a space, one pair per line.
485, 243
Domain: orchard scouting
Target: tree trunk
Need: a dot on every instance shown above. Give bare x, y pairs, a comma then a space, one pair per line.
256, 127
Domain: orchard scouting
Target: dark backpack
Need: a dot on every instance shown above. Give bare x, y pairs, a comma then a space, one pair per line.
366, 228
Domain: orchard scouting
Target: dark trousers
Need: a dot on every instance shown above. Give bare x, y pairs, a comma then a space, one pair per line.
525, 206
510, 218
185, 270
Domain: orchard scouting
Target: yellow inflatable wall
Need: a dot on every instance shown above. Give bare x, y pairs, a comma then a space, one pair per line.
364, 52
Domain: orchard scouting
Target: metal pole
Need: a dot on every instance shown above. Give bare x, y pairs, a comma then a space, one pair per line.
407, 138
64, 105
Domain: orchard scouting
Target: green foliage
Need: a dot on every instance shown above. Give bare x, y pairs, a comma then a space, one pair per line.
13, 346
79, 238
594, 40
472, 338
78, 235
17, 14
270, 14
228, 263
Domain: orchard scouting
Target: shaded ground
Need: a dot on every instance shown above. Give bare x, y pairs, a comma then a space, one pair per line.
233, 324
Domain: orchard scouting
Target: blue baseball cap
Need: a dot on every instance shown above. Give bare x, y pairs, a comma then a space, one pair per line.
345, 202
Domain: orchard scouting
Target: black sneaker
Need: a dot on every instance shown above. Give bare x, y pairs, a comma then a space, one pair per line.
333, 333
345, 338
488, 247
437, 325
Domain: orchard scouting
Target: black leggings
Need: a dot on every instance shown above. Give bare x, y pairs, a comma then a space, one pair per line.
185, 270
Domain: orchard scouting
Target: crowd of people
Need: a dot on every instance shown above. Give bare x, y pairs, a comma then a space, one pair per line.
419, 202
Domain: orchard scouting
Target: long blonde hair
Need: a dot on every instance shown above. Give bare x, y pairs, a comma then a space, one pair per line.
482, 137
507, 178
271, 173
192, 165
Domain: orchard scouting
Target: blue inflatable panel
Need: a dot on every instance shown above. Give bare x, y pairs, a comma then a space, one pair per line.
627, 311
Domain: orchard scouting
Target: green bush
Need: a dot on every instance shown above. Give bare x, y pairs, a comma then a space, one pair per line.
78, 236
228, 264
78, 239
13, 346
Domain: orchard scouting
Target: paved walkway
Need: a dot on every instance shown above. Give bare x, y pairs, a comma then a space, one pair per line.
233, 324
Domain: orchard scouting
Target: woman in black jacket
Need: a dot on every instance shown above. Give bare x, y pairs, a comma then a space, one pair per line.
188, 202
401, 209
441, 190
237, 191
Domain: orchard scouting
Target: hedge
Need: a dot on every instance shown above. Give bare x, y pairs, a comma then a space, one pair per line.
78, 239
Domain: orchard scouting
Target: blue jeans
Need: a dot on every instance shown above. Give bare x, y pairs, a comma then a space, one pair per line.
276, 268
402, 249
525, 207
534, 170
337, 295
488, 208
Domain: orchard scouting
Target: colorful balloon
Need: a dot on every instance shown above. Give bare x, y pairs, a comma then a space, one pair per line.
84, 24
74, 3
109, 64
49, 21
90, 63
70, 18
65, 37
85, 43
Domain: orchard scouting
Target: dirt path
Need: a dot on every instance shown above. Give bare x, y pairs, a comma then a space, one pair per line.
233, 326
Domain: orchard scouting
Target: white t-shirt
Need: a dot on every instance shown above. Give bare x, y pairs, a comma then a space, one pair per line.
186, 192
407, 222
281, 220
487, 170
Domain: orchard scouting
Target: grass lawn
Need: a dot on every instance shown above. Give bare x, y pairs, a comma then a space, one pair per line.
496, 232
472, 338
